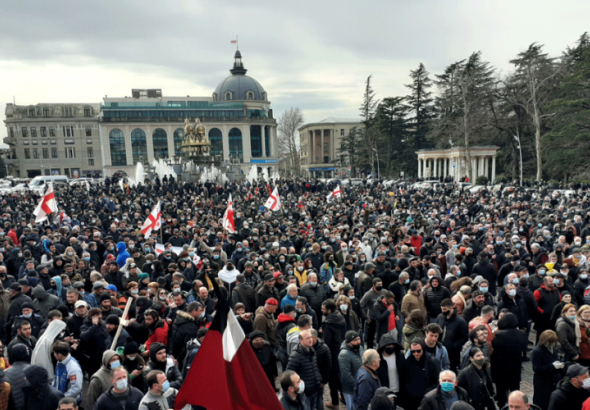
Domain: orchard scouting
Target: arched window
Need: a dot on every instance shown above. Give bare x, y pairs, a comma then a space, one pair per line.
256, 140
139, 146
250, 95
235, 144
117, 143
160, 139
178, 138
216, 141
229, 95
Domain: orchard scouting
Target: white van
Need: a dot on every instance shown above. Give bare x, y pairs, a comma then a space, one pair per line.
39, 183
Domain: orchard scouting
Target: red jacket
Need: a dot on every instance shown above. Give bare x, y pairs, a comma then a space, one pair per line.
12, 235
160, 335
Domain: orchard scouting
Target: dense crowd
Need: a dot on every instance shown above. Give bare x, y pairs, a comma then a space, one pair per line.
385, 298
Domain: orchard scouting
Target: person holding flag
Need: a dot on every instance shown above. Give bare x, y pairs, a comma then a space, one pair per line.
228, 217
274, 201
47, 205
153, 222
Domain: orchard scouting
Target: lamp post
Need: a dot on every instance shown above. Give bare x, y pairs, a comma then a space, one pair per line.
378, 171
517, 138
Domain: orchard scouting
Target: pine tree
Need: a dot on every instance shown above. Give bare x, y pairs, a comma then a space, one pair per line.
420, 106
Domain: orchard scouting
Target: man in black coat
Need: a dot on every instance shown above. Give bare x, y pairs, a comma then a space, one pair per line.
478, 301
17, 298
184, 328
484, 268
434, 295
512, 301
455, 331
334, 330
571, 392
446, 390
303, 361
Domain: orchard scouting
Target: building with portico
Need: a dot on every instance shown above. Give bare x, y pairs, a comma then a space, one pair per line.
437, 163
149, 126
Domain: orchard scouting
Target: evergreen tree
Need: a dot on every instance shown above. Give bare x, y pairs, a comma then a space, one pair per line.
395, 150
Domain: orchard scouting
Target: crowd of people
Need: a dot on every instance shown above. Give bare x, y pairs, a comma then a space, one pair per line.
383, 298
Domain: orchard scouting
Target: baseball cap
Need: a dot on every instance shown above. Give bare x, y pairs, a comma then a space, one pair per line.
80, 303
112, 287
576, 370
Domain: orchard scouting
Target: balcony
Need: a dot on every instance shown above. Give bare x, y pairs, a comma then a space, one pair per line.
9, 140
12, 161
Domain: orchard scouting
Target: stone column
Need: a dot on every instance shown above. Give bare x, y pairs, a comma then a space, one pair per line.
493, 168
486, 167
246, 145
263, 129
150, 144
225, 142
170, 141
473, 170
128, 147
419, 167
445, 167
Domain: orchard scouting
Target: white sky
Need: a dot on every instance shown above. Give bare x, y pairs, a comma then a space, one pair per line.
314, 55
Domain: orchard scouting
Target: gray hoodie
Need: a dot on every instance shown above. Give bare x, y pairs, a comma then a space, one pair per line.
44, 301
100, 381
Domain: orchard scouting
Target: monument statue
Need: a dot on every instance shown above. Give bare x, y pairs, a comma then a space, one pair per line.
195, 143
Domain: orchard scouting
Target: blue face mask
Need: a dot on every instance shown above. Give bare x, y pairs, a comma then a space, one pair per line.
215, 256
572, 317
515, 281
518, 246
115, 364
542, 272
499, 242
168, 257
87, 258
165, 386
407, 281
483, 289
148, 262
556, 281
447, 387
191, 253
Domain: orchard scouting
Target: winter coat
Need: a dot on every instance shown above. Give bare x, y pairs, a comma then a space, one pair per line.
508, 345
380, 314
334, 329
410, 333
455, 334
517, 307
486, 269
304, 362
168, 367
265, 293
349, 361
39, 395
566, 396
44, 301
289, 404
15, 377
158, 334
324, 357
367, 383
433, 297
566, 333
433, 400
122, 254
267, 324
265, 355
100, 381
479, 386
315, 296
285, 323
383, 371
93, 339
419, 377
184, 328
108, 401
412, 302
546, 376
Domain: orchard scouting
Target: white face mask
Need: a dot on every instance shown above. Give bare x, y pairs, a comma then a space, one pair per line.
344, 307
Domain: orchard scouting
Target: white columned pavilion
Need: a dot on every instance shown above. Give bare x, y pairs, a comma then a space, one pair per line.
433, 163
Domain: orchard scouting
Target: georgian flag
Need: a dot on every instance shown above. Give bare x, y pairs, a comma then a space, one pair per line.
336, 193
47, 205
274, 202
153, 222
225, 374
228, 217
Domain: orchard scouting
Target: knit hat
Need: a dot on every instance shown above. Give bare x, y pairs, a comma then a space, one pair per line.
112, 320
271, 301
143, 276
154, 349
27, 305
350, 336
104, 296
130, 347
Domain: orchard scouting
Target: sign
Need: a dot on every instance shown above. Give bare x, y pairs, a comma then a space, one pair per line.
264, 161
322, 169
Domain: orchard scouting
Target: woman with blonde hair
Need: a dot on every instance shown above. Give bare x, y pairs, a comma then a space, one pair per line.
344, 305
69, 256
568, 332
547, 368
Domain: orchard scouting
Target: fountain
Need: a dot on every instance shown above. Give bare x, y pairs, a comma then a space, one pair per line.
252, 173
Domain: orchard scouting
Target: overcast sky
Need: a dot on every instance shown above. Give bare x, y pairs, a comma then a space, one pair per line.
314, 55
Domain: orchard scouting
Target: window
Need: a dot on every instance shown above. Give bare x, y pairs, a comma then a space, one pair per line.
89, 152
31, 112
117, 144
264, 95
160, 141
46, 112
11, 132
267, 140
27, 153
250, 95
91, 162
45, 153
216, 141
25, 132
35, 153
33, 132
43, 131
342, 133
87, 112
68, 131
54, 153
256, 140
139, 146
178, 138
88, 131
52, 131
70, 152
235, 144
229, 95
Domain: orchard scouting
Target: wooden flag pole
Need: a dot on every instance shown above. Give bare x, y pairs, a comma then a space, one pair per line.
122, 322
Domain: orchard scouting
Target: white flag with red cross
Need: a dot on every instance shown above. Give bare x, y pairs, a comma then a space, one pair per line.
153, 222
274, 202
228, 217
47, 205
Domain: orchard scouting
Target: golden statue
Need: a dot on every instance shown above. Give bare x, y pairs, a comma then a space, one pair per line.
195, 139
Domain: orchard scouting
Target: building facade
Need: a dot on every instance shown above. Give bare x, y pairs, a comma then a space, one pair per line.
320, 147
149, 126
53, 139
452, 162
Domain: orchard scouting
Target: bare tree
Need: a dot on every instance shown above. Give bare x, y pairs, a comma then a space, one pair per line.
289, 141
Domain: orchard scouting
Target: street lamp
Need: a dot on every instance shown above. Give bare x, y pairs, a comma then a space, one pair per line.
378, 172
517, 138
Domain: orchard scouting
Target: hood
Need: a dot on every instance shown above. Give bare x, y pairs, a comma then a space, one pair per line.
508, 321
186, 317
440, 281
336, 318
256, 333
39, 292
55, 259
387, 339
285, 318
107, 356
36, 376
121, 247
155, 348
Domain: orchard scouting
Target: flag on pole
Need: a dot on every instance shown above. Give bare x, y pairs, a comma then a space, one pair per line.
336, 192
234, 41
274, 202
330, 197
228, 217
122, 184
225, 374
47, 205
154, 221
87, 186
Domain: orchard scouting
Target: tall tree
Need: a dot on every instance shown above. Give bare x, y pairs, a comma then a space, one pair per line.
288, 138
348, 153
535, 80
369, 136
395, 149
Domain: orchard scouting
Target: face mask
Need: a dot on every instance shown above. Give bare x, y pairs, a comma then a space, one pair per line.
300, 268
168, 257
484, 289
584, 277
81, 293
518, 246
541, 272
512, 292
191, 254
344, 307
214, 257
165, 386
313, 284
499, 242
20, 255
115, 364
577, 243
389, 350
572, 317
202, 315
299, 310
134, 291
176, 290
302, 387
479, 362
122, 384
351, 297
28, 315
515, 281
407, 281
556, 281
289, 272
447, 387
162, 297
132, 358
526, 275
378, 288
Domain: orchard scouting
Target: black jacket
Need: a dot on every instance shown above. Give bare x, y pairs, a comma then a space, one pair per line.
383, 371
456, 332
484, 268
289, 404
509, 344
433, 400
315, 296
184, 328
169, 368
566, 396
546, 375
304, 362
419, 377
107, 401
566, 332
433, 297
324, 357
517, 307
334, 329
380, 314
479, 386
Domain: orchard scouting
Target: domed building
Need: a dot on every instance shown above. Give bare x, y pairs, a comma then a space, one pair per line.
146, 126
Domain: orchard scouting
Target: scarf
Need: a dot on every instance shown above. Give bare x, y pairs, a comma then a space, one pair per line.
391, 323
578, 332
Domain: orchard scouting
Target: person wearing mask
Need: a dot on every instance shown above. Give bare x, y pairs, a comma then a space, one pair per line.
286, 322
547, 297
572, 391
303, 361
367, 380
160, 394
477, 380
512, 301
349, 361
119, 392
446, 394
478, 337
433, 295
334, 331
392, 361
548, 369
100, 381
367, 304
419, 375
159, 360
385, 313
293, 390
568, 332
314, 293
39, 394
455, 332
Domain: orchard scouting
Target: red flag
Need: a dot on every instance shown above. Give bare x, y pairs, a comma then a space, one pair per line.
225, 374
47, 205
228, 217
274, 201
